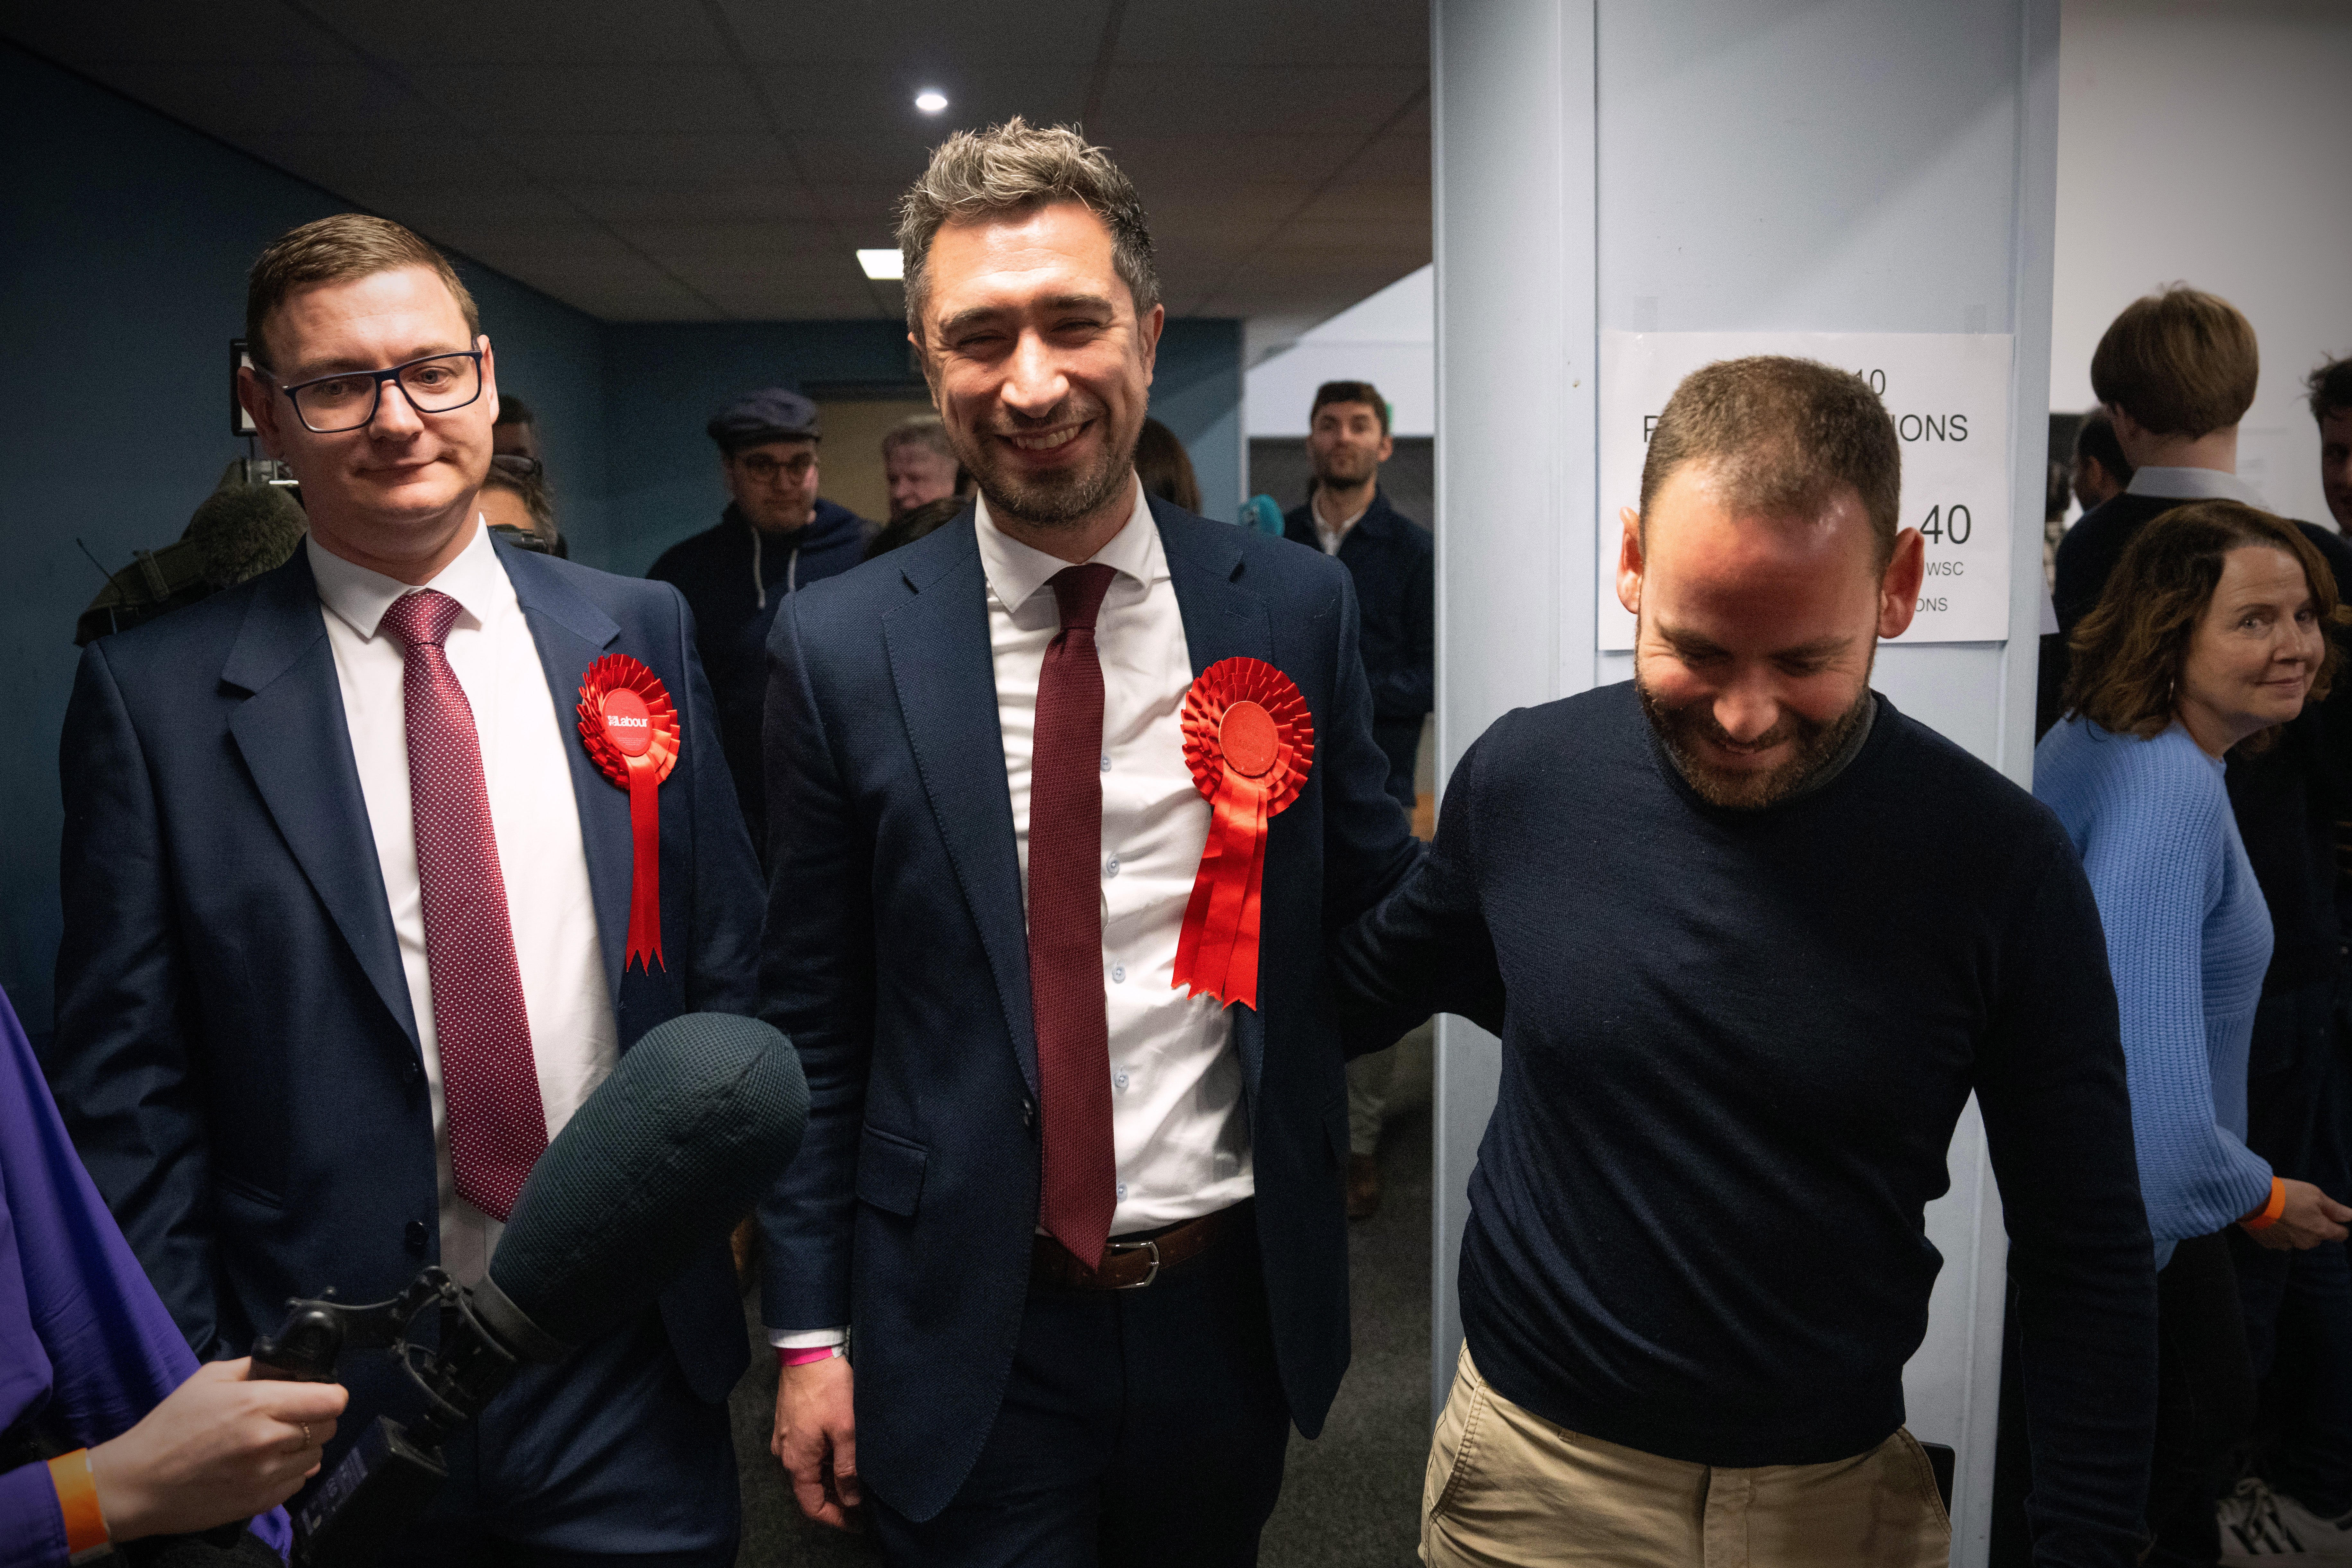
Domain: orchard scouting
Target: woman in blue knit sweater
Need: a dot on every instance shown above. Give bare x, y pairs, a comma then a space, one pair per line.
2207, 637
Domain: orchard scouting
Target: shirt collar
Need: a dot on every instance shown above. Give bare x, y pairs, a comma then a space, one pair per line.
2193, 484
1015, 571
359, 597
1341, 529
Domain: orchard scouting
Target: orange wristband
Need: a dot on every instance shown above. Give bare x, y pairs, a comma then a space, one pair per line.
86, 1534
2271, 1210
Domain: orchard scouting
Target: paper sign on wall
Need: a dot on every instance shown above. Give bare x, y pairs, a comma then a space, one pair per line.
1948, 394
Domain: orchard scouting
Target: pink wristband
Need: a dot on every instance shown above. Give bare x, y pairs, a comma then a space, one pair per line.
807, 1355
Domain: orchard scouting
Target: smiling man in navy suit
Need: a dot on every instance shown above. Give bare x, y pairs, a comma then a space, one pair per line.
348, 909
1084, 1224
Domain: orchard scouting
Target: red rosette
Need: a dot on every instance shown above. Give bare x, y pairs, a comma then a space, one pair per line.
1249, 741
630, 727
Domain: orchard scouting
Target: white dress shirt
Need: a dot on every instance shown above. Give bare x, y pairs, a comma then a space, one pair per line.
2194, 484
1178, 1136
526, 770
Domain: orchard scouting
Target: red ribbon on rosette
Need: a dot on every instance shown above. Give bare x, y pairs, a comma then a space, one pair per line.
630, 726
1249, 741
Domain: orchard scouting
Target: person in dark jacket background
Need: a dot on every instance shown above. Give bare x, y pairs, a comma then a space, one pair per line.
775, 537
1391, 558
1394, 564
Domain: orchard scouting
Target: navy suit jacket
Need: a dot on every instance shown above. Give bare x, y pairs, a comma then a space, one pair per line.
896, 954
236, 1052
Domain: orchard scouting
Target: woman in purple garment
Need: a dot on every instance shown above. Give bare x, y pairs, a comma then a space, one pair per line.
109, 1432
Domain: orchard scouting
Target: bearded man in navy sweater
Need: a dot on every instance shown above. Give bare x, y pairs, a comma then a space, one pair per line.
1744, 994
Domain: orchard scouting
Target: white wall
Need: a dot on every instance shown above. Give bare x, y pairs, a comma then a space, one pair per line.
1697, 165
1387, 338
2211, 143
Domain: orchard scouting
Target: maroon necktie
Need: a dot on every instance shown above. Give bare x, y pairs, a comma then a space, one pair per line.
1066, 978
498, 1128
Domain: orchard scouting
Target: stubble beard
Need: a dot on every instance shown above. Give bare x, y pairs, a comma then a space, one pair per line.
1815, 743
1335, 468
1057, 498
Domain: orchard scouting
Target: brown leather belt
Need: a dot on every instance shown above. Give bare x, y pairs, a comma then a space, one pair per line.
1133, 1261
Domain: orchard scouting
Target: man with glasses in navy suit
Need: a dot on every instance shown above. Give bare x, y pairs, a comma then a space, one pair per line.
356, 915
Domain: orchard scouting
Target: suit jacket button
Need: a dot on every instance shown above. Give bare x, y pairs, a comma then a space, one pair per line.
415, 1237
1028, 1112
410, 1071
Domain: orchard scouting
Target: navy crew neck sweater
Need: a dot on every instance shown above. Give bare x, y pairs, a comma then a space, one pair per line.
1735, 1045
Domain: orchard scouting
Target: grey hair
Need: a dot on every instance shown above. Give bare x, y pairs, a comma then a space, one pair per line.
1017, 167
924, 430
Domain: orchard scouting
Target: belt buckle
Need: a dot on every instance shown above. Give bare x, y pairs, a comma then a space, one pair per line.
1151, 1247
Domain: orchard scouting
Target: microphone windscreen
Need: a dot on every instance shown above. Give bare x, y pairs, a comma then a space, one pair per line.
695, 1124
243, 530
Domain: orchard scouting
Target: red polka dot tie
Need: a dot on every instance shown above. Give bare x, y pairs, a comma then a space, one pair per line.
498, 1128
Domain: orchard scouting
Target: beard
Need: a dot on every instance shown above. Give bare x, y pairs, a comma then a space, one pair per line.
1053, 498
1813, 743
1347, 467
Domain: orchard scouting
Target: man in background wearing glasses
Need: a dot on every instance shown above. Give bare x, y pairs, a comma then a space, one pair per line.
775, 538
345, 910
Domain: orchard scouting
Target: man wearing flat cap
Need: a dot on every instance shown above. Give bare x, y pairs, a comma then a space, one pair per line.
775, 537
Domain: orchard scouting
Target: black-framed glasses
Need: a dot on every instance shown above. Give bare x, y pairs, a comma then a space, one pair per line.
767, 470
438, 384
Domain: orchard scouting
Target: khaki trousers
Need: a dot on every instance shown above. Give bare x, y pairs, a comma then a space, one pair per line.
1507, 1489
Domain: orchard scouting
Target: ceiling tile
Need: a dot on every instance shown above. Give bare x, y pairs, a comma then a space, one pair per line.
524, 32
736, 201
1316, 33
219, 31
651, 159
880, 101
920, 35
614, 99
1278, 101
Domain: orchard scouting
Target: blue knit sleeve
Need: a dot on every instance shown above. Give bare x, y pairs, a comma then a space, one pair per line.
2155, 851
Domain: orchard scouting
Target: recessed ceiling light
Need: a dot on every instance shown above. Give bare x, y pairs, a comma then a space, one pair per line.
882, 264
931, 101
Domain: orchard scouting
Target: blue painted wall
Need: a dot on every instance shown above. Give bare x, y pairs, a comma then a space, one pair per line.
665, 382
124, 241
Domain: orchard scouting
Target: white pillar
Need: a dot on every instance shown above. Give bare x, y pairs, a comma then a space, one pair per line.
1722, 166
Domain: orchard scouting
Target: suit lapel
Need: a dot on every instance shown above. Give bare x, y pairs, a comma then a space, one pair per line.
572, 634
945, 676
1221, 620
294, 739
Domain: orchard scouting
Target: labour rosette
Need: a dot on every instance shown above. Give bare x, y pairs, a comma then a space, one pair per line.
630, 727
1249, 741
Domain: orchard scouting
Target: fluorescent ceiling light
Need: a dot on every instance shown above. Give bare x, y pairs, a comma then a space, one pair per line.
931, 101
882, 264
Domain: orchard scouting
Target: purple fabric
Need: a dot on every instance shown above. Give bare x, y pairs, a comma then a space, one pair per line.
83, 1336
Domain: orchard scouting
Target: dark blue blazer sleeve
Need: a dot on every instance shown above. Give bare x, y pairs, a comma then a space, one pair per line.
817, 978
724, 972
129, 1088
1369, 847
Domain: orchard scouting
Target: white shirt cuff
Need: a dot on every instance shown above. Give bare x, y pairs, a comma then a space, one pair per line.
808, 1339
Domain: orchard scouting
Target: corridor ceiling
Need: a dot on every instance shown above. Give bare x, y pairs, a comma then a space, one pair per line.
721, 160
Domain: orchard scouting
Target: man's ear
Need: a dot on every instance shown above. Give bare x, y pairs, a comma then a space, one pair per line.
1147, 331
1630, 561
259, 396
1898, 589
489, 375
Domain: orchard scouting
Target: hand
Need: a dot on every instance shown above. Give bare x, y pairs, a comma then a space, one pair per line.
2310, 1217
218, 1448
816, 1439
